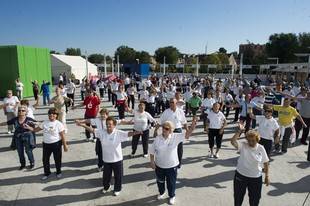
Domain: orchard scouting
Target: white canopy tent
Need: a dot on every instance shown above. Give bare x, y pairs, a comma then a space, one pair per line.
75, 65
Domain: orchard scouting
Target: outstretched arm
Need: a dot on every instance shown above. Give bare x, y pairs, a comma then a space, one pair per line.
234, 139
191, 129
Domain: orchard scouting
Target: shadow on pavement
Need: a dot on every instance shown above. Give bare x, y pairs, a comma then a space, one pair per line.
207, 181
300, 186
54, 200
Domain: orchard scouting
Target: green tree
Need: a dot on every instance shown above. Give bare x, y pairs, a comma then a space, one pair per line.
144, 57
222, 50
282, 46
73, 51
304, 42
54, 52
127, 55
170, 53
96, 58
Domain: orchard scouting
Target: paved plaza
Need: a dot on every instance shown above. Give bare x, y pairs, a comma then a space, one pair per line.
201, 181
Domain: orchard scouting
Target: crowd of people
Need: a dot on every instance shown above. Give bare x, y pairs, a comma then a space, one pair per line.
270, 114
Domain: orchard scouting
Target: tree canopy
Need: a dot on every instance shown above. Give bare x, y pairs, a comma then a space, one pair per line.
73, 51
170, 53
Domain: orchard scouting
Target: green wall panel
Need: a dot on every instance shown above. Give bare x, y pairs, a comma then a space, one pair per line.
26, 62
8, 68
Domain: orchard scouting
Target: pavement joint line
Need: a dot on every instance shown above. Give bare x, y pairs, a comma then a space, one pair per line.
307, 197
19, 190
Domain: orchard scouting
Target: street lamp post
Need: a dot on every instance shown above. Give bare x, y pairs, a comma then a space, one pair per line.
113, 65
117, 57
86, 58
105, 66
164, 65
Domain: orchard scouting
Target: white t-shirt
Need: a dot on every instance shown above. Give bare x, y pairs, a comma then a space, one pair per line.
258, 101
12, 101
166, 150
111, 144
30, 111
127, 81
170, 95
19, 86
121, 95
101, 124
208, 103
148, 83
51, 131
216, 119
144, 94
150, 99
140, 121
70, 88
114, 86
177, 118
266, 127
251, 159
187, 96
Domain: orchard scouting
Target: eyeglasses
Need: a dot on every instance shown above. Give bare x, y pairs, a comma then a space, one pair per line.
22, 110
166, 128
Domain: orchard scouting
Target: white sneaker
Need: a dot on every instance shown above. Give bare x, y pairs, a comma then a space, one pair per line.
9, 132
87, 140
171, 201
93, 140
44, 177
216, 155
116, 193
146, 156
161, 197
100, 169
105, 191
210, 155
59, 176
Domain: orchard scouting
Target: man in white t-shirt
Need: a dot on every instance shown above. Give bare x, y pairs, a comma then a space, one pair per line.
10, 102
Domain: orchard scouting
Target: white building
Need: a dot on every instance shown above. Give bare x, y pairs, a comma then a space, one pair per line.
75, 65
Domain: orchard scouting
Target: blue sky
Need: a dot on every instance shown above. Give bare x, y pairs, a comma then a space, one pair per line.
103, 25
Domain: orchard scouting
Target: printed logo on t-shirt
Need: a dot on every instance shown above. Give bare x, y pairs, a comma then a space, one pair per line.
90, 105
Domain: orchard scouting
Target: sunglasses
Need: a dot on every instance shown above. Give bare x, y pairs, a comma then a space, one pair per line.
22, 110
268, 111
166, 128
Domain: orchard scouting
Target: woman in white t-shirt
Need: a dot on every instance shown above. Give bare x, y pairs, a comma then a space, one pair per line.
216, 124
99, 123
268, 129
253, 158
19, 88
10, 102
140, 120
112, 155
53, 140
121, 101
206, 106
164, 157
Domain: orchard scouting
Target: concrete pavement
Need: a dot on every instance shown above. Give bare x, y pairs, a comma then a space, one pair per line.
201, 181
